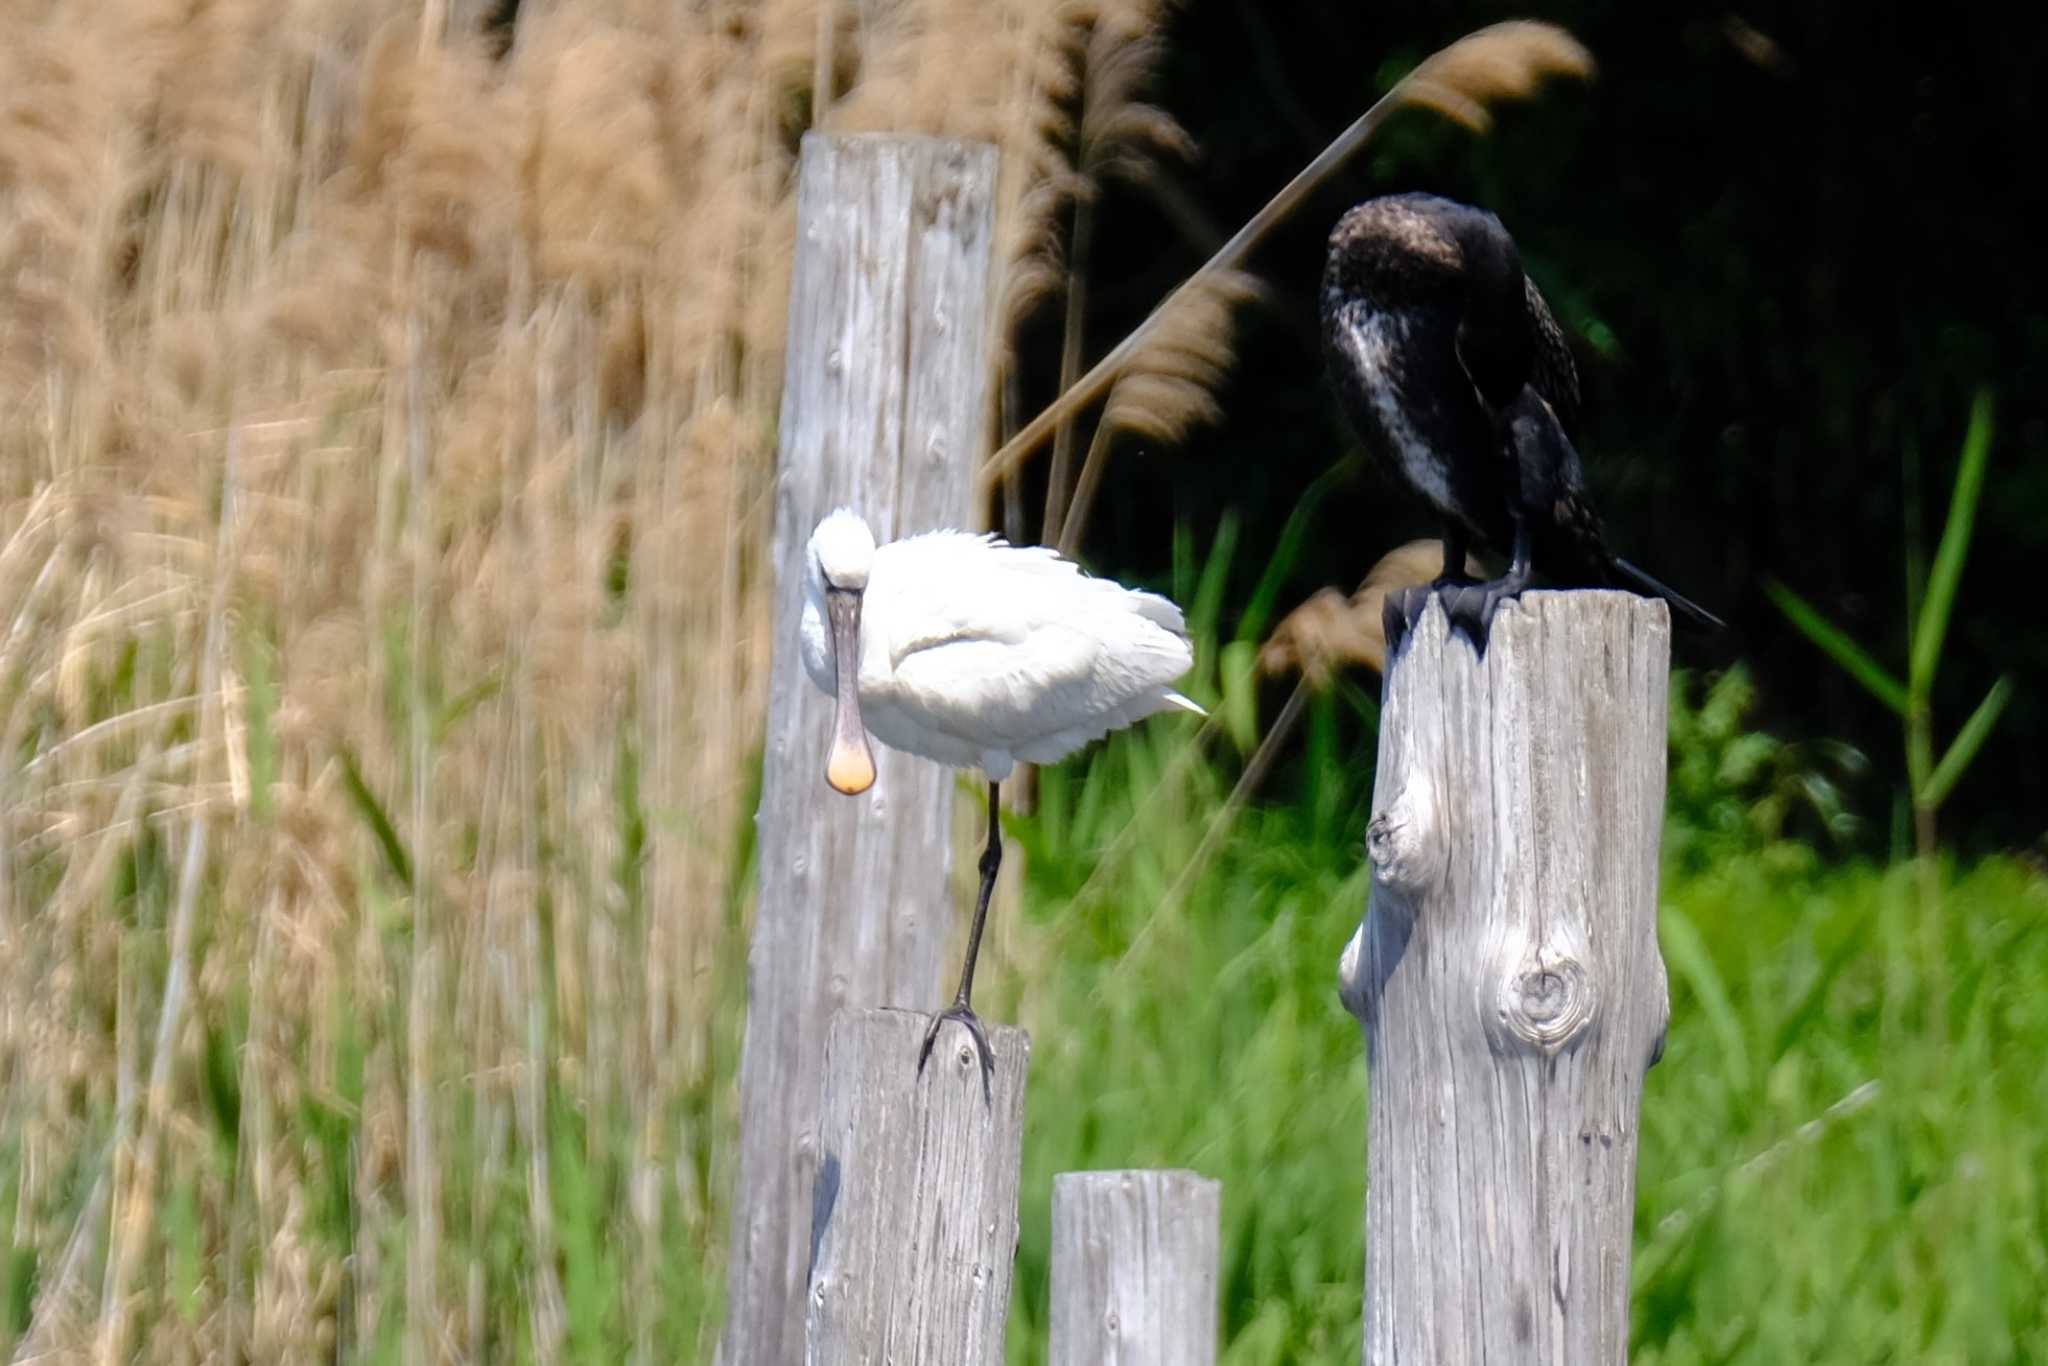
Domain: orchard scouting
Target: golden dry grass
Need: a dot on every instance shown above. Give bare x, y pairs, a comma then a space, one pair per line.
1505, 61
1330, 632
385, 433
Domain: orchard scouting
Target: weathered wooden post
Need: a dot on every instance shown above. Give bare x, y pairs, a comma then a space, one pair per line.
1508, 980
1134, 1268
914, 1214
882, 409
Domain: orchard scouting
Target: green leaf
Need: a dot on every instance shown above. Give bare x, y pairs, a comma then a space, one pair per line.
1932, 625
1207, 605
380, 824
1968, 741
1239, 704
1854, 659
1686, 951
224, 1087
259, 737
457, 709
1812, 1002
1287, 549
18, 1278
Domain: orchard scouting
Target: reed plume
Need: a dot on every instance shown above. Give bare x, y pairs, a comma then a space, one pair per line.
1170, 386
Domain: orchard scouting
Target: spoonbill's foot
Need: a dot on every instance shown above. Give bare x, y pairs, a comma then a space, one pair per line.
962, 1012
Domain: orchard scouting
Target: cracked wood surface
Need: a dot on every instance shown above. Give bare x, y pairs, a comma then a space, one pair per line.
883, 401
1508, 981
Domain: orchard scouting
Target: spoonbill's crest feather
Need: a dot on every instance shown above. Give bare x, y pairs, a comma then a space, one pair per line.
978, 653
843, 548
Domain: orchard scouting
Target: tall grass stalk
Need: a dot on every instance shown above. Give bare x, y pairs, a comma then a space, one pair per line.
1930, 603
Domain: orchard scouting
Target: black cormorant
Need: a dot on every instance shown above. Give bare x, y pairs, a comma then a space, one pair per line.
1455, 373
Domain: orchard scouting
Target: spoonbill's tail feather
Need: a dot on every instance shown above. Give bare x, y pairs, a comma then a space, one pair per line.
1174, 699
1159, 611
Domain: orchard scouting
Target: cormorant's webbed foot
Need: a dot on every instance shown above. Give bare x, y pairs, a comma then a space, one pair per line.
964, 1013
1470, 609
1403, 607
1399, 611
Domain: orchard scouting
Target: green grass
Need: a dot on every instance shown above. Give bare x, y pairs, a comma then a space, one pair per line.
1828, 1172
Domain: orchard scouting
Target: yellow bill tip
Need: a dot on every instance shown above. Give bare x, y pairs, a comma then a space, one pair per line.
850, 769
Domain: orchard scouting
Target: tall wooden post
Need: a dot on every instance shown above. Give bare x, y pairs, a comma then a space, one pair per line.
913, 1228
1509, 983
882, 409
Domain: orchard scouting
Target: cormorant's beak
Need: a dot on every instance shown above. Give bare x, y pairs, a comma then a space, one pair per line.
851, 767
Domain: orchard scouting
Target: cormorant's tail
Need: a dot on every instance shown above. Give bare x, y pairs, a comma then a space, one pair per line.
1687, 610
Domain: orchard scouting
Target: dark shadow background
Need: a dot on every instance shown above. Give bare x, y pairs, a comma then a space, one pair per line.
1789, 244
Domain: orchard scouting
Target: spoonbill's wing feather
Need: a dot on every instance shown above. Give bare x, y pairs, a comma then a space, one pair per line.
1041, 697
998, 693
1015, 649
981, 578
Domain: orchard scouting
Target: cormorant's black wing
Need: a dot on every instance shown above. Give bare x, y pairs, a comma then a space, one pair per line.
1494, 339
1552, 482
1551, 370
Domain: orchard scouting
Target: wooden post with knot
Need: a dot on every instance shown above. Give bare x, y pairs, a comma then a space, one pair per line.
1508, 980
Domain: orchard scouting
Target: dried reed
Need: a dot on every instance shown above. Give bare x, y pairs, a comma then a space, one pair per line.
382, 526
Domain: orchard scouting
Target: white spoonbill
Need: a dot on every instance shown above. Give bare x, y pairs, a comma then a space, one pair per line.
963, 648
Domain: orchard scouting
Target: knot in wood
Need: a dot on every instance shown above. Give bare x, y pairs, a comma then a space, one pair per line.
1405, 840
1544, 1002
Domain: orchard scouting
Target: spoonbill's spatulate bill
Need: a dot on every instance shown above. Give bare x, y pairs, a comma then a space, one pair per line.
965, 649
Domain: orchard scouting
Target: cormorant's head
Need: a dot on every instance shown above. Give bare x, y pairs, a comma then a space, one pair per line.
1413, 250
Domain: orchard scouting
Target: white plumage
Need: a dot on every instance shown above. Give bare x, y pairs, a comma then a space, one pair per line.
977, 653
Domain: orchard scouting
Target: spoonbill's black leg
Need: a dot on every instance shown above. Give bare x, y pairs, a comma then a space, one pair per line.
991, 859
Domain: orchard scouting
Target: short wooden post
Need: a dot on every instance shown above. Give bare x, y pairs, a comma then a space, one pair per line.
914, 1211
1509, 983
1134, 1268
882, 409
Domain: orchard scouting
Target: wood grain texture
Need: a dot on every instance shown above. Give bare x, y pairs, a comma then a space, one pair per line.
914, 1210
1134, 1268
882, 408
1508, 981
